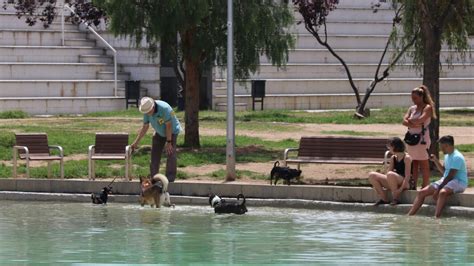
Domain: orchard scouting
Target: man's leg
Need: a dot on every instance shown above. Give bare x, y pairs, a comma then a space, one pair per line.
420, 198
443, 195
171, 161
156, 150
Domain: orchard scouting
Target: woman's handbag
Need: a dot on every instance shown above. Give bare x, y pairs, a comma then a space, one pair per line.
414, 139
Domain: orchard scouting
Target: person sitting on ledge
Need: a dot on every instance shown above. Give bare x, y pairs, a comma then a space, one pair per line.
398, 175
454, 178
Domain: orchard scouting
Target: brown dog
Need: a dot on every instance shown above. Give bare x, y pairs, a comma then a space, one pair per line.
154, 192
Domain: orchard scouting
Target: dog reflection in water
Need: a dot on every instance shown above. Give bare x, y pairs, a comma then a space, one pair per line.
228, 206
154, 191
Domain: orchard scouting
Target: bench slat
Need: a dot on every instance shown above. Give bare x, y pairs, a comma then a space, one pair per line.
110, 143
340, 150
44, 158
335, 161
37, 143
108, 157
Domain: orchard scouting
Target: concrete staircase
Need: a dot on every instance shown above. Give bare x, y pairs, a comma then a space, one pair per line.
40, 76
314, 79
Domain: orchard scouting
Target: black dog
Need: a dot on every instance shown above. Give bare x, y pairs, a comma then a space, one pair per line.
101, 198
228, 206
283, 172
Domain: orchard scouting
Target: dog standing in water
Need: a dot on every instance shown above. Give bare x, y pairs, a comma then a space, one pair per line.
228, 206
101, 198
154, 192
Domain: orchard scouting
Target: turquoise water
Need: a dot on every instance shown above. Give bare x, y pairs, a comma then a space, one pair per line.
71, 233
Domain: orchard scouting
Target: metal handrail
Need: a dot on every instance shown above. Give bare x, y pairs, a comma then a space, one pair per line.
66, 6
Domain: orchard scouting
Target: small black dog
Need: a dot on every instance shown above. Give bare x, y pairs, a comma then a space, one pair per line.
283, 172
101, 198
228, 206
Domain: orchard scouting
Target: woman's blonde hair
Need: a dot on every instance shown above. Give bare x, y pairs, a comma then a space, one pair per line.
423, 92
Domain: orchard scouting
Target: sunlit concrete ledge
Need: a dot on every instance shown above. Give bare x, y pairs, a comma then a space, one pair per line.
427, 210
202, 189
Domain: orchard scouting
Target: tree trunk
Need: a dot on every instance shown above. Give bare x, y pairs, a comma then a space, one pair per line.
191, 109
431, 62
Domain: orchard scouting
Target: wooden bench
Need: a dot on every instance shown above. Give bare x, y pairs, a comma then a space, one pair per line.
34, 147
339, 150
110, 146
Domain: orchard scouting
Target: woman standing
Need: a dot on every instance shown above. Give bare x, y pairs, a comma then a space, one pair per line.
418, 119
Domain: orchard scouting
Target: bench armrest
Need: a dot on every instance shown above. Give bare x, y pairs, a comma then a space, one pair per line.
128, 151
16, 148
385, 160
285, 153
91, 151
59, 148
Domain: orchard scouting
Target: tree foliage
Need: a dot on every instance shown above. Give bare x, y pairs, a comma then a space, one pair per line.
438, 22
260, 28
46, 10
453, 19
315, 12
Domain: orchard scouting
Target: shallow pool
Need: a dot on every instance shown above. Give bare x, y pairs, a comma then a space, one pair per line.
126, 233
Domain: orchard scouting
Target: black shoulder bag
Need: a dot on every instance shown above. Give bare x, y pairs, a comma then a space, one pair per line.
414, 139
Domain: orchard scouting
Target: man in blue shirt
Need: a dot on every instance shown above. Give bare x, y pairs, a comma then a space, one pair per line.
167, 127
454, 178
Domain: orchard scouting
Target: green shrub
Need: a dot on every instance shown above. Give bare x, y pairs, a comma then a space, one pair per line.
7, 139
14, 114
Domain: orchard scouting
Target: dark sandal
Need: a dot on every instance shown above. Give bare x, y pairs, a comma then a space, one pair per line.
381, 202
395, 202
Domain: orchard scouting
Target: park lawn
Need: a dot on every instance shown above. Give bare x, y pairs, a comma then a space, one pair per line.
76, 136
460, 117
76, 133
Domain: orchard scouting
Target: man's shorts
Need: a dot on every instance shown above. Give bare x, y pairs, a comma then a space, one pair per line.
454, 185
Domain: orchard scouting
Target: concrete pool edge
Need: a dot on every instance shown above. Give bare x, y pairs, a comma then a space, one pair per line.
203, 189
426, 210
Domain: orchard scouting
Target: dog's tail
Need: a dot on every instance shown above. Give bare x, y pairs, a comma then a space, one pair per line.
164, 181
241, 196
272, 173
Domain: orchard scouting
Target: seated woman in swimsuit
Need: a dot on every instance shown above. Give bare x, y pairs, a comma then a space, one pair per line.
398, 175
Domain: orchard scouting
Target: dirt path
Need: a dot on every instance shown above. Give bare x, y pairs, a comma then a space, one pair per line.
310, 171
463, 135
73, 157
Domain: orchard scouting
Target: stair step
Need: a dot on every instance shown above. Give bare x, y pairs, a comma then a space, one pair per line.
335, 70
106, 59
349, 41
110, 75
11, 21
36, 37
237, 107
48, 54
58, 88
143, 91
278, 86
47, 71
79, 42
62, 105
352, 56
346, 101
352, 27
